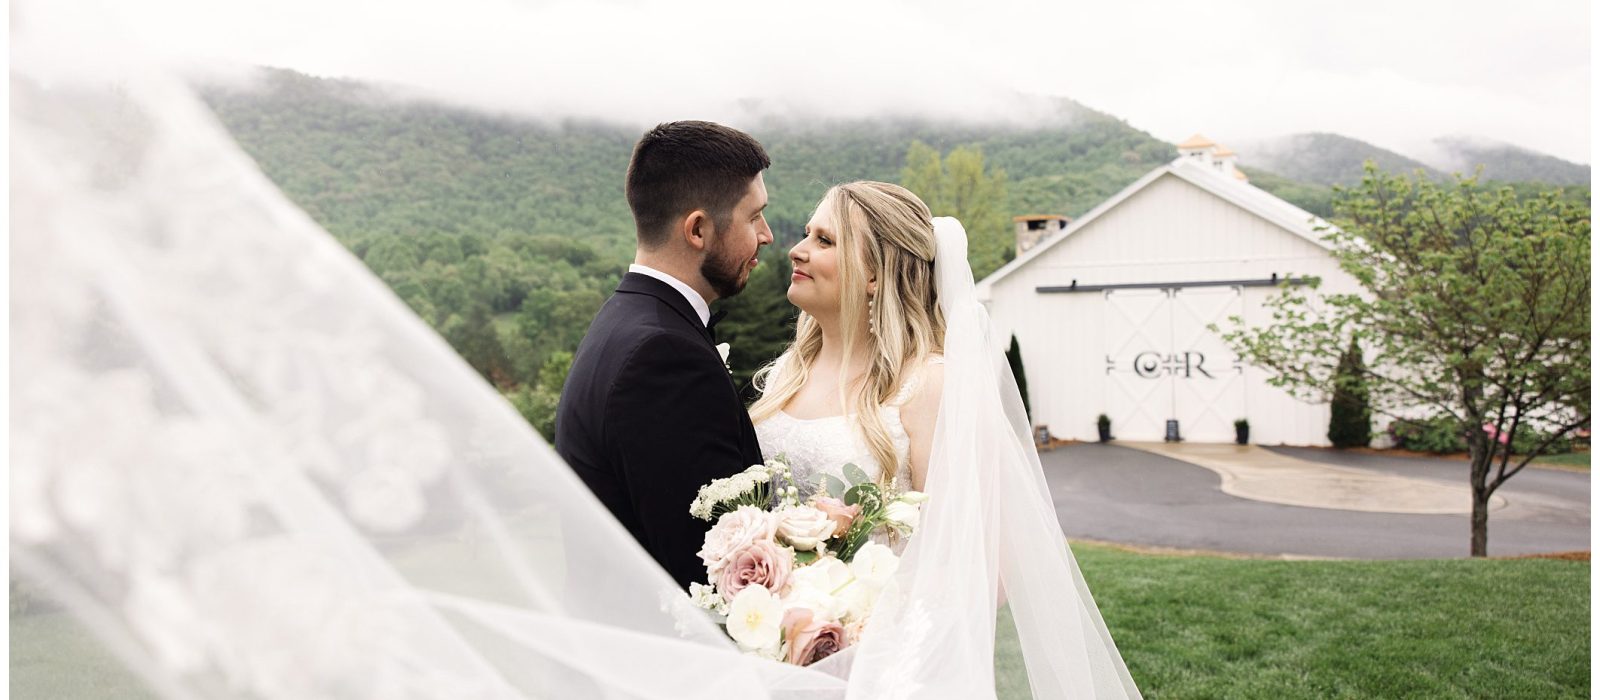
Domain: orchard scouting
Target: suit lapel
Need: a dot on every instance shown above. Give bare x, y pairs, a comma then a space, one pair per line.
634, 283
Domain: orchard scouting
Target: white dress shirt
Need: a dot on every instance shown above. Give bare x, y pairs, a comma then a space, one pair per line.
695, 300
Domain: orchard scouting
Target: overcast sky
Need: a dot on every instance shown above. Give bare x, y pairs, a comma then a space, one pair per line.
1394, 73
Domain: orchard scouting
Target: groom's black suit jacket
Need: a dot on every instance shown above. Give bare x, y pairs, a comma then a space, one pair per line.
649, 415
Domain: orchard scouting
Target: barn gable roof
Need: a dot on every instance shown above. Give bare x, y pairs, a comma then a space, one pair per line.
1284, 215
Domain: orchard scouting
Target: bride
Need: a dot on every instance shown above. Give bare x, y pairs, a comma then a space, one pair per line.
892, 369
861, 383
251, 471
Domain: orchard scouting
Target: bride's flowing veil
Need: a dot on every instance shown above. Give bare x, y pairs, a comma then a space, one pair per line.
990, 530
252, 471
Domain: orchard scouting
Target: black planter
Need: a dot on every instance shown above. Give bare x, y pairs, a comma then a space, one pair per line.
1105, 433
1241, 434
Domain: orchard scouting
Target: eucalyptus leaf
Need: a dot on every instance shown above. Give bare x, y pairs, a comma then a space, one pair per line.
803, 558
855, 474
853, 496
833, 485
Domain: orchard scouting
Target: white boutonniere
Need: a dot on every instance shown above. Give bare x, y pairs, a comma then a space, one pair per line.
722, 349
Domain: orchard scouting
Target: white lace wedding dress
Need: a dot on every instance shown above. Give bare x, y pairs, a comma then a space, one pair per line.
818, 446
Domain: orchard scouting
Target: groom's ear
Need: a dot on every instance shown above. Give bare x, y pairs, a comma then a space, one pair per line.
696, 229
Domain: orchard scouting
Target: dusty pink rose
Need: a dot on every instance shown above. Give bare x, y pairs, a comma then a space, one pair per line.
734, 531
760, 562
811, 640
841, 514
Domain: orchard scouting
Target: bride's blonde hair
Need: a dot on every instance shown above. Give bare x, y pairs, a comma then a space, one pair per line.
885, 232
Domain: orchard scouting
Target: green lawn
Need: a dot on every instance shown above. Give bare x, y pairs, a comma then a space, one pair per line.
54, 656
1571, 459
1200, 627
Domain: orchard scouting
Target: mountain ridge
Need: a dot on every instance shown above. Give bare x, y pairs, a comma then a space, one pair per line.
1328, 159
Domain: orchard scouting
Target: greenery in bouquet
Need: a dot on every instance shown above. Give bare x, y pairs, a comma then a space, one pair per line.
795, 580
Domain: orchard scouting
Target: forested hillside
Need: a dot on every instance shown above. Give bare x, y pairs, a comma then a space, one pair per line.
506, 234
363, 163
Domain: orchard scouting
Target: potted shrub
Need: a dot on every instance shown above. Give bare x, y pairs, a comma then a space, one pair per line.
1104, 423
1241, 431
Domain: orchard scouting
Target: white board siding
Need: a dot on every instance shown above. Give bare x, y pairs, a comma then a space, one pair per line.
1169, 231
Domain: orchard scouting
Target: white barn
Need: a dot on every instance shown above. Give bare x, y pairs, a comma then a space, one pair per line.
1112, 310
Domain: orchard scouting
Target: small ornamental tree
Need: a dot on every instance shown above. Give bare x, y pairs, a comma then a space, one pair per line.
1474, 305
1350, 422
1014, 356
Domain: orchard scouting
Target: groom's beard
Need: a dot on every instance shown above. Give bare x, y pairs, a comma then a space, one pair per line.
725, 275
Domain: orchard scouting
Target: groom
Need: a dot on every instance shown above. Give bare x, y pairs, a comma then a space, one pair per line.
649, 413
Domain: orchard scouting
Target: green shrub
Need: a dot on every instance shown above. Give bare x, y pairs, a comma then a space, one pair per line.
1527, 439
1439, 435
1443, 434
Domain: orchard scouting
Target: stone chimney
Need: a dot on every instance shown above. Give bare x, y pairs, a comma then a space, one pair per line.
1033, 228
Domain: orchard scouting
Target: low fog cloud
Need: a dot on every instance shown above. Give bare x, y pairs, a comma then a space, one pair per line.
1396, 75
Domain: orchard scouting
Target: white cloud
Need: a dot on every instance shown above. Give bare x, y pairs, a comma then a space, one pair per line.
1396, 74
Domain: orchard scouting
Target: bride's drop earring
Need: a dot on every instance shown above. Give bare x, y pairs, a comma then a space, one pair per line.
872, 316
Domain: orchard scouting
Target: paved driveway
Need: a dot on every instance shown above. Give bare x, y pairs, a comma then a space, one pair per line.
1117, 494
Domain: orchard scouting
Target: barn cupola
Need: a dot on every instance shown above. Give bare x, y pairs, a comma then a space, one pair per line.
1227, 162
1203, 151
1198, 149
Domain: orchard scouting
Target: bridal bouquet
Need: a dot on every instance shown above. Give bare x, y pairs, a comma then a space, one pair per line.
796, 581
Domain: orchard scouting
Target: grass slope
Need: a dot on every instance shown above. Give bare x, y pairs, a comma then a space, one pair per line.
1196, 627
1199, 627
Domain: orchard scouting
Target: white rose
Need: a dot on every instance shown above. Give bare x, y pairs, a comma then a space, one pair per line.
816, 586
804, 527
903, 516
822, 606
874, 564
755, 620
734, 531
827, 574
913, 497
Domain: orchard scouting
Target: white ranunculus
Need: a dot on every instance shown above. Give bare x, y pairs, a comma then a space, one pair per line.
874, 564
804, 527
755, 619
903, 516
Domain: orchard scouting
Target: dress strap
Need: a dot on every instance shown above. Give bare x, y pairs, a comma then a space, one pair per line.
908, 387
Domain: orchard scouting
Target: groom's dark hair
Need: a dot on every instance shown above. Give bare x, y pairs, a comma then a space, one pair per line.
679, 167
